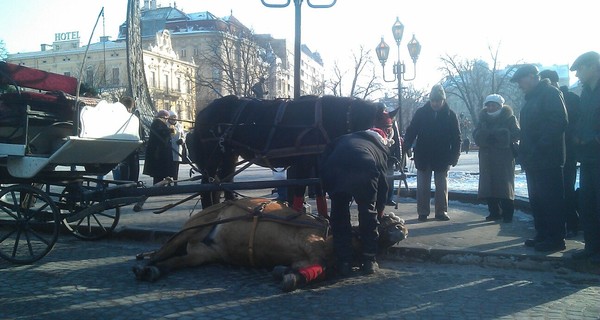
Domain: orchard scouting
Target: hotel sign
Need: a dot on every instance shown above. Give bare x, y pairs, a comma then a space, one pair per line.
66, 36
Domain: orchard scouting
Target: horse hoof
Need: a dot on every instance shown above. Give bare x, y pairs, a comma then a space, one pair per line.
139, 256
289, 282
139, 272
137, 208
279, 271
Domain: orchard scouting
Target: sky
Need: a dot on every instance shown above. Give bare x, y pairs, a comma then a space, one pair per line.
547, 32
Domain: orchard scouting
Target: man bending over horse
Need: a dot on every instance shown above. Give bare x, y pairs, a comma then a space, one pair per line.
354, 167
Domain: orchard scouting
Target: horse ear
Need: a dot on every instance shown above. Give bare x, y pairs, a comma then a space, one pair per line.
393, 112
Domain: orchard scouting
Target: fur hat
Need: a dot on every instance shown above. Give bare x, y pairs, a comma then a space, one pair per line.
585, 59
437, 93
494, 98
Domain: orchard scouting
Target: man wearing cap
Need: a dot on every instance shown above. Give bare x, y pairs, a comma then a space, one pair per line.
354, 167
495, 134
436, 131
542, 156
570, 168
587, 144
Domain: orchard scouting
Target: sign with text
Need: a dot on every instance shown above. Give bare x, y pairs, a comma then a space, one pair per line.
66, 36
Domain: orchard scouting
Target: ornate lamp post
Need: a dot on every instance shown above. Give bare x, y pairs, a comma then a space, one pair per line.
383, 51
298, 30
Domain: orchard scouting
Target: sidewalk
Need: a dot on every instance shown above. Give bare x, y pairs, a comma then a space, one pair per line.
466, 239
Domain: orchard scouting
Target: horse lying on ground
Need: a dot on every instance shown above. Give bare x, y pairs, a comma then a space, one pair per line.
258, 232
274, 133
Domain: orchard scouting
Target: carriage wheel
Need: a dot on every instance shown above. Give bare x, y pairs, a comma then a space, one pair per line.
29, 224
93, 226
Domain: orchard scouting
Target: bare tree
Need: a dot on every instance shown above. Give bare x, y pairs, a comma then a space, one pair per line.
3, 51
231, 64
361, 79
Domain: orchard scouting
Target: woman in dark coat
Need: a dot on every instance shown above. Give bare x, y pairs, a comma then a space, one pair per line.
158, 158
354, 167
496, 134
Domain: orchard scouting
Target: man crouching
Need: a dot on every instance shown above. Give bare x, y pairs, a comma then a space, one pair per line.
355, 166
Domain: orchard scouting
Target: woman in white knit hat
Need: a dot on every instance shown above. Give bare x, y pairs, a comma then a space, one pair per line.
496, 135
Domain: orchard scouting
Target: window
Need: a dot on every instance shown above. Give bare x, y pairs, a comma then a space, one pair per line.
179, 84
89, 77
166, 83
153, 79
115, 76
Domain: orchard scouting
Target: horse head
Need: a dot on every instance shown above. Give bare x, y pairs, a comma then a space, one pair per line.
392, 229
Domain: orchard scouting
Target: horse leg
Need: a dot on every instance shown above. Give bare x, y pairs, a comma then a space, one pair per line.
226, 172
297, 192
321, 201
303, 276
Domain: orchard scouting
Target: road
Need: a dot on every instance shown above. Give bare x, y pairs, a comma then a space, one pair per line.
93, 280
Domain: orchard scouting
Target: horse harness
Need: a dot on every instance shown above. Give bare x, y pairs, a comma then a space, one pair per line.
228, 134
257, 214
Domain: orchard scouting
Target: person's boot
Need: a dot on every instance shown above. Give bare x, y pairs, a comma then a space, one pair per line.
493, 217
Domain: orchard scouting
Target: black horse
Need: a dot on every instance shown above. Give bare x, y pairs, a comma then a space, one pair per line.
274, 133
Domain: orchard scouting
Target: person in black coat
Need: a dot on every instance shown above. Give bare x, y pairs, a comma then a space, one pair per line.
158, 151
354, 167
542, 156
436, 131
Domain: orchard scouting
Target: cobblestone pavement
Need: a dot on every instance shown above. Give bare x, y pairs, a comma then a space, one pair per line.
93, 280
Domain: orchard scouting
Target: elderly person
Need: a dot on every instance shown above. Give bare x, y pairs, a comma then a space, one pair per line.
542, 156
436, 131
496, 134
587, 146
158, 151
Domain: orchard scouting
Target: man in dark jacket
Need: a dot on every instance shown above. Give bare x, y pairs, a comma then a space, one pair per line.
570, 167
436, 130
354, 166
542, 156
159, 155
587, 144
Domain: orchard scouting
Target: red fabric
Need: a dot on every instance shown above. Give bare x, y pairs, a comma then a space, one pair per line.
381, 132
298, 203
322, 206
38, 79
311, 273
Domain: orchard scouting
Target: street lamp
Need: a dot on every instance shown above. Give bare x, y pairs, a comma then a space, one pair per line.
297, 32
383, 51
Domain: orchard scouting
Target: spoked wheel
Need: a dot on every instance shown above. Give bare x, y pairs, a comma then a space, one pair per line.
94, 225
29, 224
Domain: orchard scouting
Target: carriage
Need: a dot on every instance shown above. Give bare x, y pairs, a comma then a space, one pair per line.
52, 151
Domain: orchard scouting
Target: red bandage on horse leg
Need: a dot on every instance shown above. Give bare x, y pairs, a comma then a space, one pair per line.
298, 203
322, 206
311, 273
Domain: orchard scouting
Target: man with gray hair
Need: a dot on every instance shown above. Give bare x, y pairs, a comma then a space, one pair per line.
436, 131
587, 144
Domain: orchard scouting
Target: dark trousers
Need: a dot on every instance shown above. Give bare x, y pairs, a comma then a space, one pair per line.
589, 205
501, 207
341, 227
570, 173
547, 200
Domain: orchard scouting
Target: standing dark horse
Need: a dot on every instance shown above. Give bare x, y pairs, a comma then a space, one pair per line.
274, 133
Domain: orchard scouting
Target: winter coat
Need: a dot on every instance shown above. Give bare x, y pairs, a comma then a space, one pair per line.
495, 136
437, 135
177, 142
158, 151
543, 124
356, 164
588, 126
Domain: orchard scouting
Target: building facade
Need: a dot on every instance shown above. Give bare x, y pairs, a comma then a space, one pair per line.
169, 79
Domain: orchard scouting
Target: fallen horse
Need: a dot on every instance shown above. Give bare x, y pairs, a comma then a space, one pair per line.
258, 232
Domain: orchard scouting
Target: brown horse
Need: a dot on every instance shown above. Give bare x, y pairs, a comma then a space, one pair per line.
274, 133
258, 232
